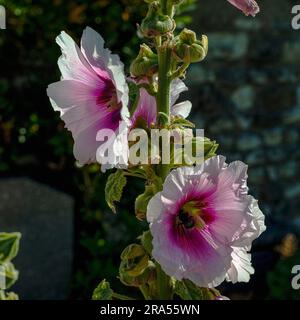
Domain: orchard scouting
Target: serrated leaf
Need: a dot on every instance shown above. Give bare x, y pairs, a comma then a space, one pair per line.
114, 188
103, 291
9, 246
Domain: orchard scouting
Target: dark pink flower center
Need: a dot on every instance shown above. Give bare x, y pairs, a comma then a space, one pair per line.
107, 96
186, 226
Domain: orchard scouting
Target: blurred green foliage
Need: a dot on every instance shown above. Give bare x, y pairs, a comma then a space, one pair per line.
33, 141
280, 288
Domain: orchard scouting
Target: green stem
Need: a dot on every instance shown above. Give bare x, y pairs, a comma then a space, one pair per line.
121, 297
180, 71
166, 7
164, 81
163, 93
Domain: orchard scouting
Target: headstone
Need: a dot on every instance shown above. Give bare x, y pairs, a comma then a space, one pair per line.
45, 218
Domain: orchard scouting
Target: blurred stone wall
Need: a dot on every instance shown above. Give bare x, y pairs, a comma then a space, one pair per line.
246, 95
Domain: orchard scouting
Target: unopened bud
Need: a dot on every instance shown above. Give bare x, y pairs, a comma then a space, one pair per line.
145, 64
189, 49
142, 201
155, 23
134, 260
147, 276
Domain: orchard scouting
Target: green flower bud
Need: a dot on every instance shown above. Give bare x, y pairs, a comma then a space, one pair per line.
134, 260
189, 49
155, 23
145, 64
148, 275
146, 240
187, 36
142, 201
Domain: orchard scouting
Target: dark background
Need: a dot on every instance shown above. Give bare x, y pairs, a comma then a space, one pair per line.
246, 95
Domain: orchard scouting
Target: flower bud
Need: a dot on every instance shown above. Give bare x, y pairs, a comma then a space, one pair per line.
146, 240
155, 23
147, 276
189, 49
134, 260
145, 64
142, 201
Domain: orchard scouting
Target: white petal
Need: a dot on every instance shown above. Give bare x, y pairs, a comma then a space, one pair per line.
182, 109
241, 267
92, 45
177, 87
154, 208
72, 63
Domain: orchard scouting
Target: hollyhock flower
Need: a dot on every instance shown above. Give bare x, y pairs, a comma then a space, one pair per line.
92, 93
203, 223
223, 298
249, 7
147, 109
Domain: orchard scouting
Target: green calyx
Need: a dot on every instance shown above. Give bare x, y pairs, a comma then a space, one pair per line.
188, 48
155, 23
142, 201
134, 260
145, 64
136, 268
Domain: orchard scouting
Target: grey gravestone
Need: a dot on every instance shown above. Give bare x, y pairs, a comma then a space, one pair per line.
45, 218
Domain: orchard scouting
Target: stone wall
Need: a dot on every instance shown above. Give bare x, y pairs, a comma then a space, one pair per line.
246, 95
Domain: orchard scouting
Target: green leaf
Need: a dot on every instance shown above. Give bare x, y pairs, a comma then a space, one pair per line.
103, 291
9, 246
179, 122
210, 148
114, 188
10, 274
8, 295
187, 290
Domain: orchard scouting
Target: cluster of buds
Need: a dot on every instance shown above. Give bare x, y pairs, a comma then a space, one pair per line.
188, 48
156, 23
159, 24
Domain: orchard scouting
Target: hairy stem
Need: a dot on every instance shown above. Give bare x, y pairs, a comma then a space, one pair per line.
163, 93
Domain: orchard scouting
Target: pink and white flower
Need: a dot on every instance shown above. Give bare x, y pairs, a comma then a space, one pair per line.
203, 223
92, 94
147, 108
249, 7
